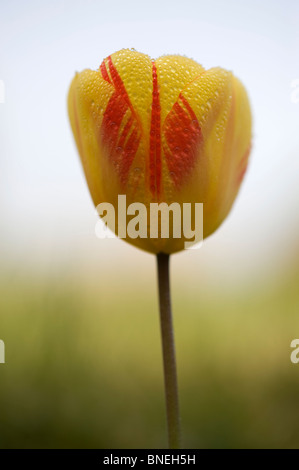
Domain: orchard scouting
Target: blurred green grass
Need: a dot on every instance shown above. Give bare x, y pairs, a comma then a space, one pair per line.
83, 365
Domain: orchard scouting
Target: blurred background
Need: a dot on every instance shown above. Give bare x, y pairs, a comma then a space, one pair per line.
79, 315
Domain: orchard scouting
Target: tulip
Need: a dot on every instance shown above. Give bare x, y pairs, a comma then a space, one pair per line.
162, 131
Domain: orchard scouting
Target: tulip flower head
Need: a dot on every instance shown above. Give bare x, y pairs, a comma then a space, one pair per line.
161, 131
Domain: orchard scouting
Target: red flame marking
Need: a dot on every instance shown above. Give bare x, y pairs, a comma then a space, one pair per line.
122, 146
183, 136
155, 138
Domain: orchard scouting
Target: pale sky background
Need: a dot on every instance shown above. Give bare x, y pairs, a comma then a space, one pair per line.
47, 219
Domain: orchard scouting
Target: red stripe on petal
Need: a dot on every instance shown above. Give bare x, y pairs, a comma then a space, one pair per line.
125, 131
104, 72
155, 138
121, 145
129, 154
183, 136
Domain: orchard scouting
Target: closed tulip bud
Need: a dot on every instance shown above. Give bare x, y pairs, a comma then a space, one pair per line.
164, 130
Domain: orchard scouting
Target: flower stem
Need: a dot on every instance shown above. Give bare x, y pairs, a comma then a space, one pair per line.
169, 361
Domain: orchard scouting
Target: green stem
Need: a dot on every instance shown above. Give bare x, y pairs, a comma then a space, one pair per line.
169, 362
